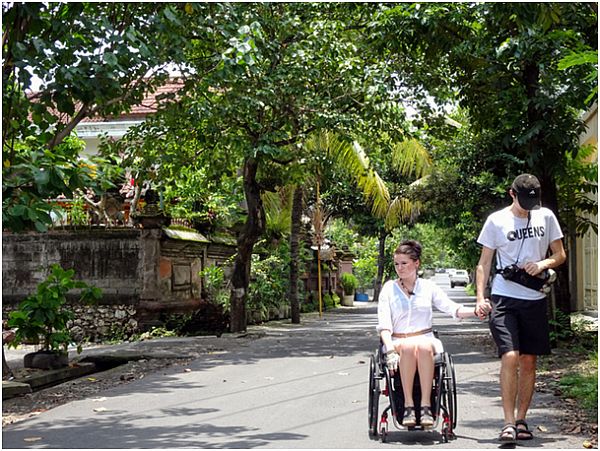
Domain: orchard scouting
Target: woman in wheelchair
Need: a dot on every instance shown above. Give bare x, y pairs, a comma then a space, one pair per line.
405, 327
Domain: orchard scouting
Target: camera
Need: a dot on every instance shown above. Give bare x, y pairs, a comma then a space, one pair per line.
518, 275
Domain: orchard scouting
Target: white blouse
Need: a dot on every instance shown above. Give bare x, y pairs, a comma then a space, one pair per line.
400, 313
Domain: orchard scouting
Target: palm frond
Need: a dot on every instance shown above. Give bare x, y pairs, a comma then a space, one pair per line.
278, 207
402, 210
410, 157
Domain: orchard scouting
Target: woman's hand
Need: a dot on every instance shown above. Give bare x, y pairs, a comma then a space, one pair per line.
392, 360
482, 309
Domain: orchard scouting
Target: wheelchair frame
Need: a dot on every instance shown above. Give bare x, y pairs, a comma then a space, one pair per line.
443, 396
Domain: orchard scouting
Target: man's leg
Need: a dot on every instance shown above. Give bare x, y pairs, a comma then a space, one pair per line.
509, 381
527, 366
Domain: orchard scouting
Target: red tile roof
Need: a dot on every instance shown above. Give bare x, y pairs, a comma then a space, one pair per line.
148, 106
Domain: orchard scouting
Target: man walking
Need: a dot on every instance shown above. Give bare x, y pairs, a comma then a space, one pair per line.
520, 236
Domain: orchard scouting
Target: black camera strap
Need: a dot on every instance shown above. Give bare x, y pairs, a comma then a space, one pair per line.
499, 261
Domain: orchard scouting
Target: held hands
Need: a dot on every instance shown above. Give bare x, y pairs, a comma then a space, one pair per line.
482, 309
392, 360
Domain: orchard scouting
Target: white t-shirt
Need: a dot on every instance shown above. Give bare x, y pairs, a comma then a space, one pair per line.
514, 238
400, 313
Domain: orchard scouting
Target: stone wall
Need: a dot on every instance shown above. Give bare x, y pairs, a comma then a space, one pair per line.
107, 258
145, 274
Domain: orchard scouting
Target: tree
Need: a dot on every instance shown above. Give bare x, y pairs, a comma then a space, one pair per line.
500, 63
262, 77
90, 59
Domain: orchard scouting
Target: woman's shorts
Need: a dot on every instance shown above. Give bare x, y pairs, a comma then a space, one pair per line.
520, 325
438, 347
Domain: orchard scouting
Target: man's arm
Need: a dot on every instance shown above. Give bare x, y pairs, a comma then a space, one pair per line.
482, 273
557, 258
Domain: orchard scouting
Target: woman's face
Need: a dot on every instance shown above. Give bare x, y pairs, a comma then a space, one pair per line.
405, 266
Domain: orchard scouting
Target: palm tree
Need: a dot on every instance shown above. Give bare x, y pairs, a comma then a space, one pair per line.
409, 157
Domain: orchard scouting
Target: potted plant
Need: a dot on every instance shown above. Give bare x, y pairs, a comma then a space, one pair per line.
349, 284
365, 269
42, 319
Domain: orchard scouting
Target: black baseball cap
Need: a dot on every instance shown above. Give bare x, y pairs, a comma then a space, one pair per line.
528, 190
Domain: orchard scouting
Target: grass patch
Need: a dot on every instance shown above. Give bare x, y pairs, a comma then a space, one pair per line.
583, 385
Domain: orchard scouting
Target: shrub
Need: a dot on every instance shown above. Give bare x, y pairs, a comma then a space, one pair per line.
42, 317
215, 285
365, 269
349, 283
269, 283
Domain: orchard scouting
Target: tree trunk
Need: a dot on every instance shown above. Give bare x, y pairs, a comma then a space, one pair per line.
252, 231
295, 253
380, 264
538, 145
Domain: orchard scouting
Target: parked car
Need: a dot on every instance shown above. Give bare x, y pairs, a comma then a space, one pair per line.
459, 277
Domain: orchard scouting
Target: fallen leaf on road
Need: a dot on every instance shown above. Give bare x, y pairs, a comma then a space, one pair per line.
32, 439
361, 361
92, 379
587, 444
542, 428
100, 409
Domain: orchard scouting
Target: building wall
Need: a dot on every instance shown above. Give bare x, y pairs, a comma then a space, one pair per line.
586, 272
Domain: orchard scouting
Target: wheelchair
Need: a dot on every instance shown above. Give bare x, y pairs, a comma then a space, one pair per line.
443, 396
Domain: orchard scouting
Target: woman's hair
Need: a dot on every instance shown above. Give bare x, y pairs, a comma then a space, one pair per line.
411, 248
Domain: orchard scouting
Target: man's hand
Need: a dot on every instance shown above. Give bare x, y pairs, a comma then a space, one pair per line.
392, 360
483, 308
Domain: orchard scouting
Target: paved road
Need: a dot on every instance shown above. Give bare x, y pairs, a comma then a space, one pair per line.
300, 386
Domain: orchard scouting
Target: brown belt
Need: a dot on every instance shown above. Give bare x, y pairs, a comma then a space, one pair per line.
412, 334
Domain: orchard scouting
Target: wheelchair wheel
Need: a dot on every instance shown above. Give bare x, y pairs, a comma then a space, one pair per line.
450, 389
374, 391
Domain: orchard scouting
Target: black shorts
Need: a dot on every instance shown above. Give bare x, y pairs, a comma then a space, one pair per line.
520, 325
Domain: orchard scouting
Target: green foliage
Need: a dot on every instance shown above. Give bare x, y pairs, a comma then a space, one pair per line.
583, 386
157, 332
331, 301
215, 286
78, 215
269, 282
575, 333
521, 101
349, 283
33, 175
365, 269
578, 190
42, 317
90, 60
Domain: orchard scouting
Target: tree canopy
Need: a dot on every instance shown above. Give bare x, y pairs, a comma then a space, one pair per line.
496, 89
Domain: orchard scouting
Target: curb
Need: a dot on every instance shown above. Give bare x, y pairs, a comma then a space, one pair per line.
45, 378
